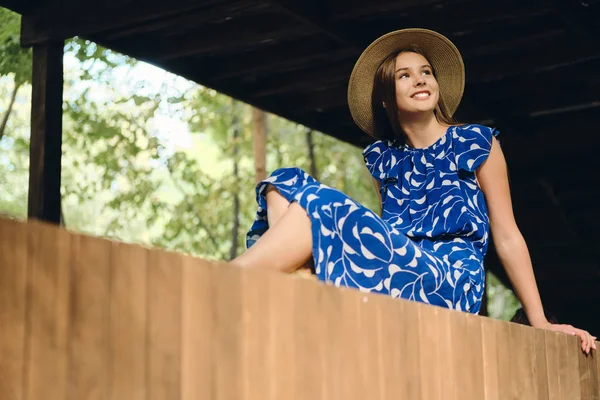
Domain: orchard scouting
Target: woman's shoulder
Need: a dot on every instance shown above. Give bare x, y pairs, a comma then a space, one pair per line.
474, 131
472, 144
378, 158
377, 147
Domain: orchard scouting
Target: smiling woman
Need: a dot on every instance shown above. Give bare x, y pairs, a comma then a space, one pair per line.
443, 190
396, 75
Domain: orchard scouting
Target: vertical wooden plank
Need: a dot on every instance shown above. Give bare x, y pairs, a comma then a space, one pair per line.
466, 337
13, 284
490, 357
254, 335
332, 365
570, 368
369, 344
128, 322
597, 357
392, 363
348, 349
46, 132
382, 320
310, 327
362, 345
563, 366
429, 332
47, 336
348, 335
587, 375
475, 352
446, 353
197, 346
409, 342
528, 345
90, 306
584, 375
592, 363
517, 357
553, 365
229, 325
541, 365
573, 348
164, 326
504, 360
281, 356
522, 352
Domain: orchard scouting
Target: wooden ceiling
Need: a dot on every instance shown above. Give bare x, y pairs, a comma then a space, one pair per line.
532, 67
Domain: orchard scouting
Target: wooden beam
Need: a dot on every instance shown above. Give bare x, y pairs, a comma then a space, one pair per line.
54, 21
272, 59
46, 132
533, 78
352, 9
231, 10
219, 38
314, 13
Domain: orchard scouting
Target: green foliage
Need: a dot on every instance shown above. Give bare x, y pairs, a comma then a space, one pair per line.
13, 58
502, 303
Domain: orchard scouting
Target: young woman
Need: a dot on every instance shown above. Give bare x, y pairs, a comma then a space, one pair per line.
443, 188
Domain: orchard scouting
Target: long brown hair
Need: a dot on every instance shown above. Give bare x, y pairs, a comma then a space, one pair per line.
386, 119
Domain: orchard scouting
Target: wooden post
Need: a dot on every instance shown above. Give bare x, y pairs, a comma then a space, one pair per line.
46, 132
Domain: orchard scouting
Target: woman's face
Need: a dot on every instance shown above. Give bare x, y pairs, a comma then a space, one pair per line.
416, 88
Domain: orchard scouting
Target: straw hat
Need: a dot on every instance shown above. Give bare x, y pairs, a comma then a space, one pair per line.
441, 53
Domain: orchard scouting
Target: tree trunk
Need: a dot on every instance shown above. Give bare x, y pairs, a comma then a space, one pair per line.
311, 154
11, 104
259, 120
279, 154
236, 176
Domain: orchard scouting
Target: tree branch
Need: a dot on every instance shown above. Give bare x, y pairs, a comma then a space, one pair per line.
11, 104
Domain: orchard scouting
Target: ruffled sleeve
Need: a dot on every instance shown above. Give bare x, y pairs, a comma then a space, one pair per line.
472, 145
376, 157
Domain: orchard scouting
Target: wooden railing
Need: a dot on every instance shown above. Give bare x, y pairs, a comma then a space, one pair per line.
87, 318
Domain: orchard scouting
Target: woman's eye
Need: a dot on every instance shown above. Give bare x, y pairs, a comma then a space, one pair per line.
426, 72
403, 76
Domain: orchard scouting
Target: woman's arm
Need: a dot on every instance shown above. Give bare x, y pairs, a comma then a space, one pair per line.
510, 245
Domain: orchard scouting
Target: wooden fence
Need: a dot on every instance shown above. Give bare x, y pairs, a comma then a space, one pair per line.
87, 318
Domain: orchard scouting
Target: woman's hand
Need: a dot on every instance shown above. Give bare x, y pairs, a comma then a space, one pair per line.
587, 341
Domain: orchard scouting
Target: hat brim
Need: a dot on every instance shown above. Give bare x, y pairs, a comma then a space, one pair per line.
439, 50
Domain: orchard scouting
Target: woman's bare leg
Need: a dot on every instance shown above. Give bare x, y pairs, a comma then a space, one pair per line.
285, 247
277, 205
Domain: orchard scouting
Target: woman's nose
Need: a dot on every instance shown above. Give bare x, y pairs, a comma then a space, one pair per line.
419, 80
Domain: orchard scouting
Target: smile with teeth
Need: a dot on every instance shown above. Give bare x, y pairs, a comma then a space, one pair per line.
421, 95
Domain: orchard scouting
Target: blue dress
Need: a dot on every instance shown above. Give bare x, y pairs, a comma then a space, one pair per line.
431, 239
